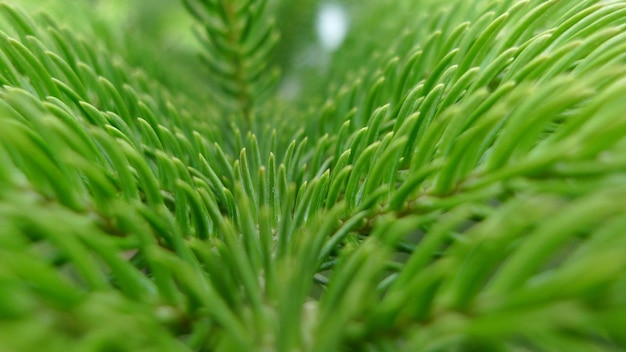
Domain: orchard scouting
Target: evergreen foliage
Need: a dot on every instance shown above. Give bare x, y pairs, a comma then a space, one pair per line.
454, 180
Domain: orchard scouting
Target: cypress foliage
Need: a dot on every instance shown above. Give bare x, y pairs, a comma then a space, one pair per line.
453, 180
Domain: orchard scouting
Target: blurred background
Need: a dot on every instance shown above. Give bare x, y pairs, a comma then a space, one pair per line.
157, 35
164, 20
164, 28
152, 34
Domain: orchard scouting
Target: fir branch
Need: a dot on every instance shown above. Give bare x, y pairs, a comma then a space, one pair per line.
460, 190
238, 40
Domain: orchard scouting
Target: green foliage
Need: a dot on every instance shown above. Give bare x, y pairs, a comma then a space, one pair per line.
238, 40
452, 181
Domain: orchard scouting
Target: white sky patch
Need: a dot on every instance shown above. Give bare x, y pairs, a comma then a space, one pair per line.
331, 26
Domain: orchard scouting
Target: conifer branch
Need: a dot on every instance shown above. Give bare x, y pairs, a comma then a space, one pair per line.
461, 189
239, 39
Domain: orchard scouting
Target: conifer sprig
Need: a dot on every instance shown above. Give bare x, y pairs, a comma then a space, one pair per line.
461, 190
238, 37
